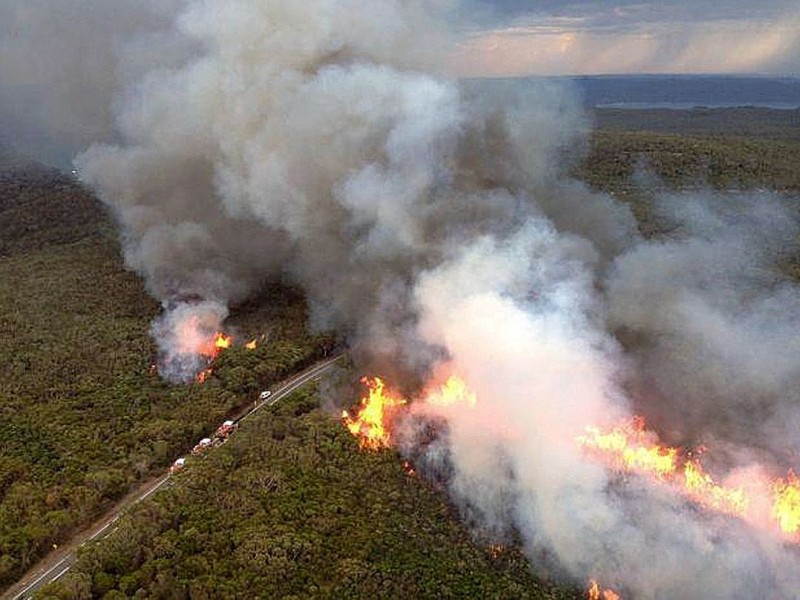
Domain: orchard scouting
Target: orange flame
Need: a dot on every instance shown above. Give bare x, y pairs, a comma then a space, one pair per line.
704, 491
786, 508
631, 448
452, 392
251, 345
211, 348
595, 593
371, 424
222, 341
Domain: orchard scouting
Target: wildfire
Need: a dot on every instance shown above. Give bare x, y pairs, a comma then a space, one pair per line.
748, 493
251, 345
786, 508
595, 593
212, 347
372, 421
496, 550
704, 491
453, 391
628, 447
222, 341
631, 448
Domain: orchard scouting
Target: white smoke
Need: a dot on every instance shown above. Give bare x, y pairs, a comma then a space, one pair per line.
185, 334
433, 221
522, 320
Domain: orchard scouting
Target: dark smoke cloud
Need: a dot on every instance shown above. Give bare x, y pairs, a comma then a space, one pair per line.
434, 223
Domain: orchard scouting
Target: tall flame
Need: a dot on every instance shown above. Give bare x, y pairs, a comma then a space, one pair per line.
372, 421
452, 392
786, 508
595, 593
702, 489
211, 348
629, 447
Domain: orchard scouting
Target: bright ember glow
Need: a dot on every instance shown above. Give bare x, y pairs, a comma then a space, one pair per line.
631, 448
203, 375
595, 593
210, 349
452, 392
786, 509
628, 448
251, 345
704, 491
372, 422
221, 341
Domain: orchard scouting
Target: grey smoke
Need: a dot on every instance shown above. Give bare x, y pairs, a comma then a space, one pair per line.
716, 322
433, 222
62, 65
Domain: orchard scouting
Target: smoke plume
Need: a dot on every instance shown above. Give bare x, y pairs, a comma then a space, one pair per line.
433, 222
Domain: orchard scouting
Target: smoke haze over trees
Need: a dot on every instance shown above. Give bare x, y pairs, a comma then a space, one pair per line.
434, 223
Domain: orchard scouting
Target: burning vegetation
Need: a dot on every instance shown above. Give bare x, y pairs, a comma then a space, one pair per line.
371, 424
430, 216
628, 448
595, 592
631, 448
198, 350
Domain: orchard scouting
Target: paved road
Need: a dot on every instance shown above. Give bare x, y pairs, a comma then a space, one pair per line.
58, 562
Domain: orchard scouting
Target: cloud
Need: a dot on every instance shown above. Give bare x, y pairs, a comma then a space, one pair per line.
555, 46
510, 37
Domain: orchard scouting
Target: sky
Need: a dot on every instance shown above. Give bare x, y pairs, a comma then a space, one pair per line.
547, 37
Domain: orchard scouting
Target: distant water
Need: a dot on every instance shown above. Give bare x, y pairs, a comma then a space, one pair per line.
694, 106
679, 92
688, 92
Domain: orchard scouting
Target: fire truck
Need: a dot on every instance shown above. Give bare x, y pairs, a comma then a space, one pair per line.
224, 430
202, 446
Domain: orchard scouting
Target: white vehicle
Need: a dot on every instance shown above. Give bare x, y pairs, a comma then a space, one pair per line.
202, 446
177, 465
265, 394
